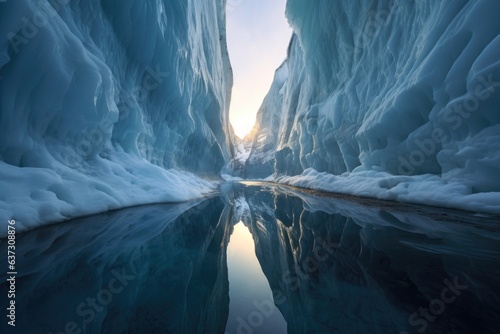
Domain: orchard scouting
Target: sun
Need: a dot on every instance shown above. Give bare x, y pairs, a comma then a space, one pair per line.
242, 124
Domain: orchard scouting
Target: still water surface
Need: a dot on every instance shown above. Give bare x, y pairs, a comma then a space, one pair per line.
261, 258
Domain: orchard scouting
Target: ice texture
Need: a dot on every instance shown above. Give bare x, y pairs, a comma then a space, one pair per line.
390, 99
260, 161
106, 104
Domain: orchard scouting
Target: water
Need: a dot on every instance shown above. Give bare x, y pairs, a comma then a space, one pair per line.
261, 259
251, 300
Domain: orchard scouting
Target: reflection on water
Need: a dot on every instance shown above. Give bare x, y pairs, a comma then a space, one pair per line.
249, 291
329, 265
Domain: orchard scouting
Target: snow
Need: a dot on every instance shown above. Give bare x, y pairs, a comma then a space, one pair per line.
104, 106
42, 195
393, 100
426, 190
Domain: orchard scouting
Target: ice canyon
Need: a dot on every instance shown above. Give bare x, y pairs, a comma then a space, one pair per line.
107, 104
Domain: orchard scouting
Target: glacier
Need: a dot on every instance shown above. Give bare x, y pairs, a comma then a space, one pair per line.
395, 100
107, 104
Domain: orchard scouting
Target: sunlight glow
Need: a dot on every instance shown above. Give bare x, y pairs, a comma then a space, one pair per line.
257, 37
249, 285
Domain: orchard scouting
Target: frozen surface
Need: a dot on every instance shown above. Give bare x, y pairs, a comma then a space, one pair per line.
389, 99
106, 104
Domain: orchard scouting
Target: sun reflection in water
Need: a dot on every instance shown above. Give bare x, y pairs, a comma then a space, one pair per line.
251, 306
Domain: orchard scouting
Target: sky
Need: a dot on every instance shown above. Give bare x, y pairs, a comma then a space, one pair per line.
257, 36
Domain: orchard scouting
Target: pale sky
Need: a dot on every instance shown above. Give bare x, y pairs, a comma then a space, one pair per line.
257, 37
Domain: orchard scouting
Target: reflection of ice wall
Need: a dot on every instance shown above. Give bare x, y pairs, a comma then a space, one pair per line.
101, 100
137, 284
387, 93
322, 254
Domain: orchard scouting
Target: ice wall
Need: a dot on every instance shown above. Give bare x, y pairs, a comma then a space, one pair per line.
261, 160
390, 99
106, 104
